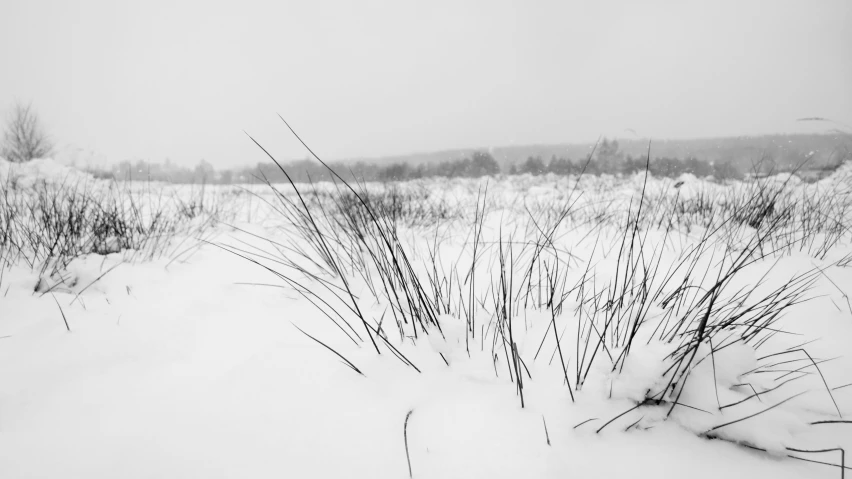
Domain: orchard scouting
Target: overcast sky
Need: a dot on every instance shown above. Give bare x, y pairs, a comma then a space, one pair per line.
182, 79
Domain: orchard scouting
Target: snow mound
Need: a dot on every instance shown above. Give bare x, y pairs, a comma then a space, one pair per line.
44, 169
686, 178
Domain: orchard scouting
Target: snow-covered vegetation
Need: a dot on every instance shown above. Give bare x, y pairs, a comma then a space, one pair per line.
524, 326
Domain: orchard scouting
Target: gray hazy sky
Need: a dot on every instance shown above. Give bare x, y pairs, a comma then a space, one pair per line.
181, 79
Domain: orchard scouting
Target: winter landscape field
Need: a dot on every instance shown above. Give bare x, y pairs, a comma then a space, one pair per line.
538, 326
383, 239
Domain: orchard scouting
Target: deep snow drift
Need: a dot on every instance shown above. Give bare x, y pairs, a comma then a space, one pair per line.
197, 367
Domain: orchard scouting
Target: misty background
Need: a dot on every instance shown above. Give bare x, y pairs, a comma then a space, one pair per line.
426, 83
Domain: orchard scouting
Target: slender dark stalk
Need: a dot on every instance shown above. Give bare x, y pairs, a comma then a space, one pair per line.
346, 361
62, 313
405, 438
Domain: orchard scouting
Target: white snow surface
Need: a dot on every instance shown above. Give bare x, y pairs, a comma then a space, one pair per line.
184, 370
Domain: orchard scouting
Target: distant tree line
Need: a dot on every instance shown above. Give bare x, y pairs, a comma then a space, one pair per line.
25, 139
141, 170
479, 164
607, 159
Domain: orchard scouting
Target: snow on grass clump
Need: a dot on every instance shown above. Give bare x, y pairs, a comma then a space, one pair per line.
643, 373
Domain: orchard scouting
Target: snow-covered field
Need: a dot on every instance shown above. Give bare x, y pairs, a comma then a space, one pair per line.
511, 327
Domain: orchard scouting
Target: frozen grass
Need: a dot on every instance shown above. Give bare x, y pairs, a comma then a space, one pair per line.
49, 221
663, 307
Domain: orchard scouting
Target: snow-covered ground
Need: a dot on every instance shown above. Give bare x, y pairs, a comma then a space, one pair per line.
197, 367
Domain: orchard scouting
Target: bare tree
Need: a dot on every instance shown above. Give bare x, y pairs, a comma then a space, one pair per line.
25, 138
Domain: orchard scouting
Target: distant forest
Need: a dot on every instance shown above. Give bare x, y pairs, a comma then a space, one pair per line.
724, 158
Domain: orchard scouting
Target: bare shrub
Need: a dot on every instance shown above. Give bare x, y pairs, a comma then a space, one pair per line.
24, 139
